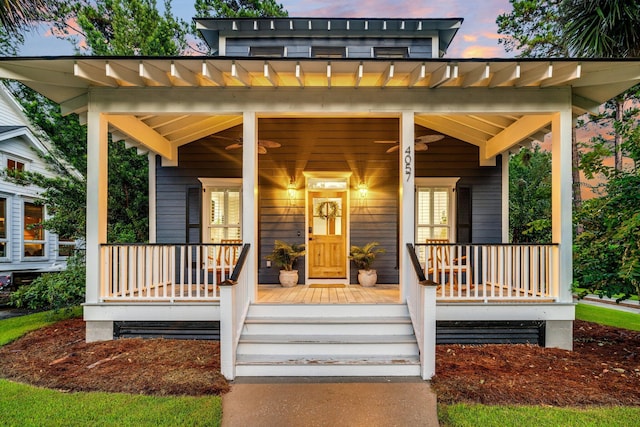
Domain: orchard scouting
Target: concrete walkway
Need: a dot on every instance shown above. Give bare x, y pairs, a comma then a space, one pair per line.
335, 402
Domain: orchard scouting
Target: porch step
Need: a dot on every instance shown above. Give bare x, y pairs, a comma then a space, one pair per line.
345, 365
393, 325
328, 340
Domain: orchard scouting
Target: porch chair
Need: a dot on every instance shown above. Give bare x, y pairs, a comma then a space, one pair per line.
439, 263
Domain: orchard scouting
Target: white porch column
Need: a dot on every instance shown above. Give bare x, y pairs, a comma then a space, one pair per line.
407, 200
152, 197
561, 219
505, 197
97, 163
250, 197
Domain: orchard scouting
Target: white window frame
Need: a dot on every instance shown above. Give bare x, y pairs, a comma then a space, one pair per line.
439, 183
209, 184
6, 156
42, 242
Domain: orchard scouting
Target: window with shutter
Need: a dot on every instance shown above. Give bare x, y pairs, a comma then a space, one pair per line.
435, 209
223, 210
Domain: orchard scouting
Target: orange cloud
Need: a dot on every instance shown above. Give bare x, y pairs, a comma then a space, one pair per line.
469, 38
482, 52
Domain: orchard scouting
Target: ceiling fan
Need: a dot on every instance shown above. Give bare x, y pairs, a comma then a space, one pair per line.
420, 142
263, 144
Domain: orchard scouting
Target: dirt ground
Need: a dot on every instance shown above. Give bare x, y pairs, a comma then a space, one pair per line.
604, 369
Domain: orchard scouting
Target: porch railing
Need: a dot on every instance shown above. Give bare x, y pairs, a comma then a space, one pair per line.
489, 272
165, 272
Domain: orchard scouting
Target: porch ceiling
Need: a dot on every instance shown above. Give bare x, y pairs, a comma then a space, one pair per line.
69, 80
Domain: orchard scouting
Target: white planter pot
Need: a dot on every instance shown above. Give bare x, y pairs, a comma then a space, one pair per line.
367, 278
288, 279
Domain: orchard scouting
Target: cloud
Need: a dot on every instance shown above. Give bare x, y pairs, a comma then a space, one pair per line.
479, 51
469, 38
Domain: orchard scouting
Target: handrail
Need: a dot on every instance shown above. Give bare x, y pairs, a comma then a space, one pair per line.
416, 263
238, 268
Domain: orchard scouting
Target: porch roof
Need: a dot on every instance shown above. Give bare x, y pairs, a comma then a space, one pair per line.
68, 81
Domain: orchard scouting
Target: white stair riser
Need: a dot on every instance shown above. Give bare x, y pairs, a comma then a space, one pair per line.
327, 371
328, 310
328, 349
328, 329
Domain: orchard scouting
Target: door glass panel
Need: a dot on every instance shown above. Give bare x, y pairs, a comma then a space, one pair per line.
327, 216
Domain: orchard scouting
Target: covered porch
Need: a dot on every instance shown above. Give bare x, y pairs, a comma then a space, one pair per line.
168, 108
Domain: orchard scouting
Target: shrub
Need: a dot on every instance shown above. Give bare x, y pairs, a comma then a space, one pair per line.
55, 291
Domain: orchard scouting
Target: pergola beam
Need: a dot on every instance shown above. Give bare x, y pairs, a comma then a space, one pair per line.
519, 131
143, 134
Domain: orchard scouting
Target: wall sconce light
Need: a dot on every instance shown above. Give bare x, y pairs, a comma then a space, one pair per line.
291, 190
362, 190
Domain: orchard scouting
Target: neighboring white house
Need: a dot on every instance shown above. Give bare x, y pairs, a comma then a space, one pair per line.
25, 248
291, 113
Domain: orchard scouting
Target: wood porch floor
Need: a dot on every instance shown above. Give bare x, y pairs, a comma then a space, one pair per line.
350, 294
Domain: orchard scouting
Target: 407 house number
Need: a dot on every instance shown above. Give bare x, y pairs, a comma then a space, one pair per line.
407, 163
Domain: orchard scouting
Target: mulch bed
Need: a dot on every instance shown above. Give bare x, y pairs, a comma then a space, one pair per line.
603, 369
57, 357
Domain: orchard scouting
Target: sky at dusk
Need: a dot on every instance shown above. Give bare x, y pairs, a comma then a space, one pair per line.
477, 38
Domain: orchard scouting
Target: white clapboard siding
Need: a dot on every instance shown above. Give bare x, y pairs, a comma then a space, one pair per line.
22, 142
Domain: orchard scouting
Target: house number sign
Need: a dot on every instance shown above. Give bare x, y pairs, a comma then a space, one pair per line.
407, 163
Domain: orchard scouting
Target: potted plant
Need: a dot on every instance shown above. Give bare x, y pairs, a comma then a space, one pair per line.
284, 255
363, 258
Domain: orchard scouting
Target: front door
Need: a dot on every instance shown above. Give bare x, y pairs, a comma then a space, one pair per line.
327, 239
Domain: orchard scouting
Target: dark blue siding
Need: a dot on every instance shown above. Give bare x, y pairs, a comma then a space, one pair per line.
329, 145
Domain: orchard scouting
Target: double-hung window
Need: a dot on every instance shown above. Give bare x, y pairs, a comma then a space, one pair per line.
33, 234
435, 209
222, 210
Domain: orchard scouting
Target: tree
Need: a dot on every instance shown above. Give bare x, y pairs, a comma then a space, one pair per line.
16, 14
609, 249
238, 9
602, 28
530, 196
605, 29
533, 29
124, 27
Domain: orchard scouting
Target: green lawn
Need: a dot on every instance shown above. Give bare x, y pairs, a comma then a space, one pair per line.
608, 316
23, 405
463, 415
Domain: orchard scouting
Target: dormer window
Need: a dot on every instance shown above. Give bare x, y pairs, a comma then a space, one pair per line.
267, 51
328, 52
391, 52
